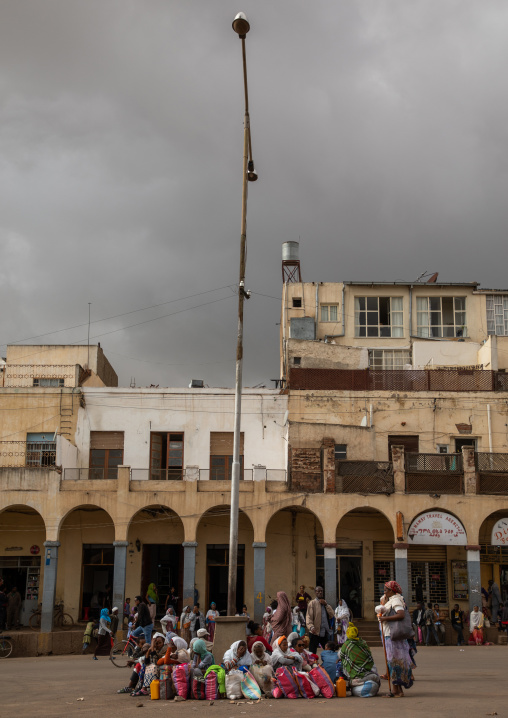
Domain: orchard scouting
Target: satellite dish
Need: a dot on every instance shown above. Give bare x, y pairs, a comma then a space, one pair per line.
433, 279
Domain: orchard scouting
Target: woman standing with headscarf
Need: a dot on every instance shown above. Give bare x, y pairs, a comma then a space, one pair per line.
185, 624
341, 621
282, 620
152, 599
267, 626
103, 647
397, 652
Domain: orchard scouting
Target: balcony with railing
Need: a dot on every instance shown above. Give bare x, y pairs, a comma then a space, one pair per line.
492, 473
434, 473
40, 454
434, 380
364, 477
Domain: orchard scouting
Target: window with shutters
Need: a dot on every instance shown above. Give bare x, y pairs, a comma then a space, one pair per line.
166, 455
221, 455
106, 454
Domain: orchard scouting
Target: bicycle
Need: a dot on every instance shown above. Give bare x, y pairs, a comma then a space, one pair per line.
122, 651
60, 619
5, 646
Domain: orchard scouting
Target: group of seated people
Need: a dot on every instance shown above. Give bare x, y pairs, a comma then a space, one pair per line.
353, 661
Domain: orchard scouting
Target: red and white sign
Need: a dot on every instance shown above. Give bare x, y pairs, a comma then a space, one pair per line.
500, 533
437, 528
35, 550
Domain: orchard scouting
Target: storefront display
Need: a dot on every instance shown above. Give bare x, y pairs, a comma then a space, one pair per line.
460, 580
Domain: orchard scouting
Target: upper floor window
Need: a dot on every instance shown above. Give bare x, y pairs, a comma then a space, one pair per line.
389, 359
106, 454
166, 455
45, 381
221, 455
497, 314
340, 452
329, 312
297, 302
441, 316
40, 449
379, 317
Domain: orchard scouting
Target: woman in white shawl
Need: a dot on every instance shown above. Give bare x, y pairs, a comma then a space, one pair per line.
476, 625
283, 656
180, 653
237, 656
261, 667
341, 621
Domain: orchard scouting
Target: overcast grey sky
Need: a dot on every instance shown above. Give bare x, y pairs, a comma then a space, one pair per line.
380, 134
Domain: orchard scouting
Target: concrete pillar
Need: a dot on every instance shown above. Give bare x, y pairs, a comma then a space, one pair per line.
49, 586
259, 580
189, 572
469, 465
119, 572
399, 469
474, 576
401, 570
330, 587
328, 449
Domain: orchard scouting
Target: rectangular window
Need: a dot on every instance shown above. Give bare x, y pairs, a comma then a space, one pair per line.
329, 312
221, 455
340, 452
41, 381
106, 454
441, 317
389, 359
297, 361
297, 302
166, 456
379, 317
497, 314
40, 449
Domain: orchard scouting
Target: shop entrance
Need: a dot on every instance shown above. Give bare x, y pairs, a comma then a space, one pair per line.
162, 564
349, 587
97, 582
217, 562
22, 572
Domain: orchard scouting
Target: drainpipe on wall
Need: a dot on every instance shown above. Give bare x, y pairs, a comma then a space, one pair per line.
489, 425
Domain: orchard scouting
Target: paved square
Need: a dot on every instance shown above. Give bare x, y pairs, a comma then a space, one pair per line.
449, 682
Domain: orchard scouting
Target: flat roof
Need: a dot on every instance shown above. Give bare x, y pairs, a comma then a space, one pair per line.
416, 284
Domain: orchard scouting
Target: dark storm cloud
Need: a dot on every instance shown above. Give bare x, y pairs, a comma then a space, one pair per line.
379, 133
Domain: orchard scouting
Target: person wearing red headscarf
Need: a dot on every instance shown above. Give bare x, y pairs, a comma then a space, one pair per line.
397, 652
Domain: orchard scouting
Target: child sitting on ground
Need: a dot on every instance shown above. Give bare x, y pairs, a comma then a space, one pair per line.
329, 658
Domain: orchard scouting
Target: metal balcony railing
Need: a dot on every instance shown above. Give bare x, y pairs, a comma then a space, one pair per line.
364, 477
28, 454
91, 474
434, 473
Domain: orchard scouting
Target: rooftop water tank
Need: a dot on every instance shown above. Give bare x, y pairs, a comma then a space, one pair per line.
290, 251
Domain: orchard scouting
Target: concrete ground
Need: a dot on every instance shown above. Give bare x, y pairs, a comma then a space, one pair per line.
449, 682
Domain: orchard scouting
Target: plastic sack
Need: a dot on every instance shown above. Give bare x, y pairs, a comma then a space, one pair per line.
321, 678
250, 688
286, 682
304, 685
263, 676
181, 680
211, 686
234, 681
199, 689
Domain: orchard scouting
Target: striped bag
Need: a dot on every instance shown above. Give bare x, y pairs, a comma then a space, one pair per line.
250, 688
286, 682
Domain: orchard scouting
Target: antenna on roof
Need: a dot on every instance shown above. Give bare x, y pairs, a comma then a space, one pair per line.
432, 277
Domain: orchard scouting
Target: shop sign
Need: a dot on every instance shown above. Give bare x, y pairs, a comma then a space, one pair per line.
13, 548
34, 550
437, 528
500, 533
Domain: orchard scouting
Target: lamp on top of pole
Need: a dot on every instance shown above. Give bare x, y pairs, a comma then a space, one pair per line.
241, 26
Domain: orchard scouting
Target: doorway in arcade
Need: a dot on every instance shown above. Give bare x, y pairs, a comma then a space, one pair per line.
217, 566
162, 564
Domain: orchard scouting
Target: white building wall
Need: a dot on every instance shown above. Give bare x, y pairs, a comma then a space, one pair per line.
195, 412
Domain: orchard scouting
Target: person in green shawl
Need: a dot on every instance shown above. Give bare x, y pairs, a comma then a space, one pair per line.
203, 659
358, 665
152, 599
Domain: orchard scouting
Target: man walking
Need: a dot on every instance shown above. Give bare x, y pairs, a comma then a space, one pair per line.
495, 599
319, 613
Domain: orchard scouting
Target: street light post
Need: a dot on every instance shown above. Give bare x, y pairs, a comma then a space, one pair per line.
242, 27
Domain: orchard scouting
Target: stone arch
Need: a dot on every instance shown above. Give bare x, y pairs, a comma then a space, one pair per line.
212, 552
365, 555
155, 534
85, 558
294, 551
